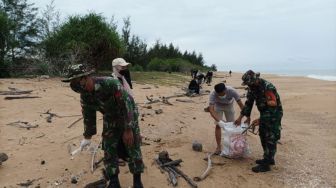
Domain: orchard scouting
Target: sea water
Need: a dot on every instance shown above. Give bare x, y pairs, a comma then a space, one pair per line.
321, 74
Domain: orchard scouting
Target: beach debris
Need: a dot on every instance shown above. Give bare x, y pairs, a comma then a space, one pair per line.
28, 182
22, 124
94, 163
158, 111
197, 146
74, 180
14, 91
40, 136
185, 100
170, 166
99, 183
206, 109
21, 97
240, 87
207, 170
43, 162
146, 88
157, 140
165, 101
149, 107
51, 115
73, 123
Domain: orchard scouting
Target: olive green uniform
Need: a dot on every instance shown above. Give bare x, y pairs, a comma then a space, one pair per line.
270, 117
119, 113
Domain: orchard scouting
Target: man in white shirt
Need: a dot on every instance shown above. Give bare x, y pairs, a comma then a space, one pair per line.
220, 104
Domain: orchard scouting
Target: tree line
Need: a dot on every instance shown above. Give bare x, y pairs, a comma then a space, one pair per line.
38, 42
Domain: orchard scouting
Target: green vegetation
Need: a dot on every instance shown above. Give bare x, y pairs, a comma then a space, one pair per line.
33, 44
160, 78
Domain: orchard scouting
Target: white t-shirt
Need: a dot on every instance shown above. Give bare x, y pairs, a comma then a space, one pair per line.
230, 95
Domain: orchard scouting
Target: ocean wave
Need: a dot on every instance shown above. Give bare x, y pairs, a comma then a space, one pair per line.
324, 77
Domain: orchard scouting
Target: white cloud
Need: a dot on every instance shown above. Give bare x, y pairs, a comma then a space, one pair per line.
236, 34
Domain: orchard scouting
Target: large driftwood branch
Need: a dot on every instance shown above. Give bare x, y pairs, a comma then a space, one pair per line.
14, 91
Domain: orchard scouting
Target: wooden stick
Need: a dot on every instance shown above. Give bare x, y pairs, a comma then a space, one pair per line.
21, 97
207, 171
22, 124
15, 92
189, 180
73, 123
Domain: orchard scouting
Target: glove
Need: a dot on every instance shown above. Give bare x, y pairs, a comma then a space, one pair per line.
221, 123
84, 143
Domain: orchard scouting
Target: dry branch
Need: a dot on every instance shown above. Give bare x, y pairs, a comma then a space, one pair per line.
73, 123
21, 97
22, 124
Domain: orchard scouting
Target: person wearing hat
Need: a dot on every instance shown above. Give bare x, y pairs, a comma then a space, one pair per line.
120, 121
121, 72
269, 105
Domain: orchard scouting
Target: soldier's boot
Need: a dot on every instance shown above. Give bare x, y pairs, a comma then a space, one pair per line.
114, 182
3, 157
137, 181
264, 161
261, 168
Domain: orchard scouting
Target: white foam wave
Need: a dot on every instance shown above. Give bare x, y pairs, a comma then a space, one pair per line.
324, 77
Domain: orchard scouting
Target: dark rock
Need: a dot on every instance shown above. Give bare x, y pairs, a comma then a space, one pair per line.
42, 162
197, 146
74, 180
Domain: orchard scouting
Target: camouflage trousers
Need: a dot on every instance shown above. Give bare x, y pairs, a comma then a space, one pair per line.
114, 149
269, 133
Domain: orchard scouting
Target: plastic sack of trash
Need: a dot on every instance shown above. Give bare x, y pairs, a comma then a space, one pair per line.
234, 142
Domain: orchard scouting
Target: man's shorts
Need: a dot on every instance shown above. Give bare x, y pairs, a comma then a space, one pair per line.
227, 111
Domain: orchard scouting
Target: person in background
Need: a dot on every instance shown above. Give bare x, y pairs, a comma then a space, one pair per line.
120, 121
121, 72
267, 100
193, 87
230, 73
200, 78
220, 105
208, 77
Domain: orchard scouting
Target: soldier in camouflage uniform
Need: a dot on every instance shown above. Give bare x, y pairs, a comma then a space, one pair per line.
269, 105
120, 117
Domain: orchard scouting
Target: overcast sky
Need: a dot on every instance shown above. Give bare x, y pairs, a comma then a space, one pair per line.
233, 34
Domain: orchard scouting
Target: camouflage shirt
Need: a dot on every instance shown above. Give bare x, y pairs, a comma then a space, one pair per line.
112, 101
257, 94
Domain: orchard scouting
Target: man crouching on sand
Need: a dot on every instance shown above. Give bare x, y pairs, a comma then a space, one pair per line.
269, 105
120, 117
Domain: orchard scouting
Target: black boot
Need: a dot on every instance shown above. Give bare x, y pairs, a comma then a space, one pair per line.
137, 181
261, 168
114, 182
265, 161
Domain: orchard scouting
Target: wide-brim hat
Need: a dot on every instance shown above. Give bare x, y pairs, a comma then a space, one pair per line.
77, 71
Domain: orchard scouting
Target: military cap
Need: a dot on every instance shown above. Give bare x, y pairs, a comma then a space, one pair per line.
76, 71
250, 77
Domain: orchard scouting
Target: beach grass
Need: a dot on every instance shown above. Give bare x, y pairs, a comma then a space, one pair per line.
160, 78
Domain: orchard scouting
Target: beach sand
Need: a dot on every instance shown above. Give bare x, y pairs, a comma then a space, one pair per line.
306, 157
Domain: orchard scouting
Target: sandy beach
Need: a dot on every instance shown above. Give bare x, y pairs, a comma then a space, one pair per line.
305, 158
